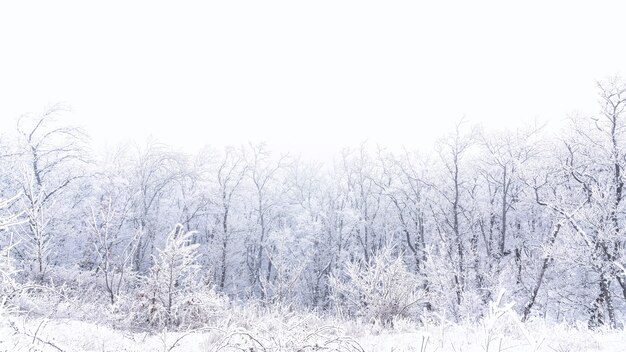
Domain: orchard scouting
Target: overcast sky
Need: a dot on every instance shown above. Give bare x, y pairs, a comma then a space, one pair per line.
305, 75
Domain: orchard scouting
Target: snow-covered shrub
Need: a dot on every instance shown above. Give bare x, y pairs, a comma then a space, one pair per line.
193, 309
8, 285
381, 290
173, 296
198, 308
7, 274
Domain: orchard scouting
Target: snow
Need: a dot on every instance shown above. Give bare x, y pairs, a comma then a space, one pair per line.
304, 334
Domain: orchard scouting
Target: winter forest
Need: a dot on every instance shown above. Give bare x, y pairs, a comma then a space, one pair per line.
502, 236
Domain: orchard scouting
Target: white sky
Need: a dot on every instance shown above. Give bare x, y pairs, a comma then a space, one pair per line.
305, 75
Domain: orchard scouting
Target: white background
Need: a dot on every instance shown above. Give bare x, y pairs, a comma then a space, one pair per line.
306, 76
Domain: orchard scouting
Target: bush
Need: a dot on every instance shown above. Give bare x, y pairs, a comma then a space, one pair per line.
172, 295
7, 274
8, 285
381, 290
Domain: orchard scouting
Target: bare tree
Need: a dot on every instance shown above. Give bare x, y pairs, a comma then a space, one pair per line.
53, 156
363, 196
230, 174
452, 151
155, 169
114, 249
264, 175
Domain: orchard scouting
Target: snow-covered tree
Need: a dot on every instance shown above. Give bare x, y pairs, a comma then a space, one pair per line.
172, 278
51, 159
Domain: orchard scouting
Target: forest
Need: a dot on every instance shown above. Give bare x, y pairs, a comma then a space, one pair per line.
148, 239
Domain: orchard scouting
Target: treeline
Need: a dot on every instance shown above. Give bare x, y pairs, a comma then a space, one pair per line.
375, 234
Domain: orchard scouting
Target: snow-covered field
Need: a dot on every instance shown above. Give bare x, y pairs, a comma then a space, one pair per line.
308, 333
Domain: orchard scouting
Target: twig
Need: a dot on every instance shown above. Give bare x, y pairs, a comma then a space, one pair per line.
35, 338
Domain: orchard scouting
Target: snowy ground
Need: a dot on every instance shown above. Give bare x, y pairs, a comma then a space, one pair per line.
306, 333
